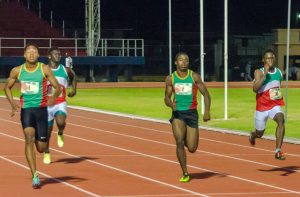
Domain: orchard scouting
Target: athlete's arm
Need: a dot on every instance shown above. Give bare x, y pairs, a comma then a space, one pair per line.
73, 77
11, 80
168, 93
50, 76
259, 77
203, 90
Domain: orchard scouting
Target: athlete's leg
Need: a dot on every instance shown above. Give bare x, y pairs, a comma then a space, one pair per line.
280, 130
260, 125
60, 119
50, 128
29, 134
192, 139
179, 132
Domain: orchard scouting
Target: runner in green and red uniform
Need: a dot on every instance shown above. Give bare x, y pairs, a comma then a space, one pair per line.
59, 110
269, 100
184, 85
33, 76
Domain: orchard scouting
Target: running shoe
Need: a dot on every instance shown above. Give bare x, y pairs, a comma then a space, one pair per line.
60, 140
185, 178
47, 158
279, 155
252, 139
36, 183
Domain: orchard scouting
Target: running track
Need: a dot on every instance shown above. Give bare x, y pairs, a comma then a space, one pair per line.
107, 155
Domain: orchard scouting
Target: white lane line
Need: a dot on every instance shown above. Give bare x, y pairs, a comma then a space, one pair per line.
48, 176
210, 194
118, 169
167, 144
170, 161
170, 133
221, 130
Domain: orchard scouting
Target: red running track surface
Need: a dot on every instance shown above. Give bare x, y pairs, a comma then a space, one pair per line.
107, 155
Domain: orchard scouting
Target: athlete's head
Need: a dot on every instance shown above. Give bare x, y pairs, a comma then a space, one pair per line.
269, 58
182, 61
31, 53
54, 55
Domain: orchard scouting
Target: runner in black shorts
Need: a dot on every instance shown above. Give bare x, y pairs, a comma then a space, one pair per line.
33, 76
37, 118
184, 85
189, 117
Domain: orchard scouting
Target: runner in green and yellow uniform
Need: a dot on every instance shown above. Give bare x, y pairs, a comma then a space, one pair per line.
33, 76
184, 85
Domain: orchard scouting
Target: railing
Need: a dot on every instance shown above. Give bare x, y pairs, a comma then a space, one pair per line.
76, 46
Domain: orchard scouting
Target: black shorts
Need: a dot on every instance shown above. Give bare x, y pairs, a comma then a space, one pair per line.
36, 117
190, 117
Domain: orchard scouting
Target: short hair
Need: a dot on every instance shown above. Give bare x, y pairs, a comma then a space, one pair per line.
268, 51
180, 53
31, 44
53, 48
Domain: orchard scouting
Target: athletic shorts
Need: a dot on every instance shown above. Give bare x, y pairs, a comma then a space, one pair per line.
36, 117
54, 110
189, 117
261, 117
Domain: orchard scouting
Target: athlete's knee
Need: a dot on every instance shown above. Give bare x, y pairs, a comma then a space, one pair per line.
41, 146
259, 133
180, 143
192, 149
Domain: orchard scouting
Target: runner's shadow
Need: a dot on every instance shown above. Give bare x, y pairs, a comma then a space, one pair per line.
74, 160
205, 175
286, 170
55, 180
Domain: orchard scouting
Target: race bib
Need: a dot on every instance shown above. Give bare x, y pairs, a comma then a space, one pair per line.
183, 88
29, 87
275, 93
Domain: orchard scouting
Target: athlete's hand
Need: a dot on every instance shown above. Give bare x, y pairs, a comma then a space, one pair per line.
266, 68
206, 116
14, 108
51, 101
72, 93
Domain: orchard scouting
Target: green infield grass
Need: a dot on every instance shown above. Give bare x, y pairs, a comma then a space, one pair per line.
149, 102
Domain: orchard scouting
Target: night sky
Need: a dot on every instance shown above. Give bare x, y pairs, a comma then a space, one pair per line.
148, 19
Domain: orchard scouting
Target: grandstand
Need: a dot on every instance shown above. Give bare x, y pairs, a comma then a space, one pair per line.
20, 25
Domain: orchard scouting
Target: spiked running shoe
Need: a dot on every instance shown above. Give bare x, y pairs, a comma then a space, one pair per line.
279, 155
36, 183
47, 158
252, 139
60, 140
185, 178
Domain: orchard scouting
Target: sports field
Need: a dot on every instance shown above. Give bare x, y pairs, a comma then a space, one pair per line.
149, 102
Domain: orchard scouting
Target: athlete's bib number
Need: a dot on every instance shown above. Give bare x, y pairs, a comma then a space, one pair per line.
29, 87
275, 93
183, 88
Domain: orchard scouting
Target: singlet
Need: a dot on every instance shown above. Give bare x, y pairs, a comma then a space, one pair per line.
185, 91
61, 75
33, 87
269, 94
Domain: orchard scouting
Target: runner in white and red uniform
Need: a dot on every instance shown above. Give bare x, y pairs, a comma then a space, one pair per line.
59, 110
269, 100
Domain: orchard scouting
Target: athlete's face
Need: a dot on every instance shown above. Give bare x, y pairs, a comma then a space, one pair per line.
55, 56
31, 54
269, 59
182, 62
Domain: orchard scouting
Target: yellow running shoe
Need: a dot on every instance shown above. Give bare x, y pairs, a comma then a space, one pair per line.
47, 158
185, 178
60, 140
